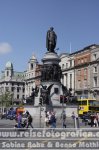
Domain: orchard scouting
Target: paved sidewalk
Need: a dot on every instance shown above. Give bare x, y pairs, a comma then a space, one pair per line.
36, 123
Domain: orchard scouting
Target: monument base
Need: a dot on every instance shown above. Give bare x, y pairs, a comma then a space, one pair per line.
38, 113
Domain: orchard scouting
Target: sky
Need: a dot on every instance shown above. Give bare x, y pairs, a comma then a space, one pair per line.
24, 24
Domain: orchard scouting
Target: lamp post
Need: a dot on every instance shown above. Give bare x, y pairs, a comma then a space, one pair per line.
40, 104
63, 101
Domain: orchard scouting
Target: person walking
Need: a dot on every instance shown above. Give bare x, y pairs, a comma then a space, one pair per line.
19, 120
53, 120
29, 121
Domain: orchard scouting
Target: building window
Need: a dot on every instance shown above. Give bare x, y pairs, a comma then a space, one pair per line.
66, 79
70, 63
94, 56
66, 65
85, 83
17, 89
85, 73
12, 89
7, 89
70, 80
23, 90
79, 75
12, 84
23, 96
95, 69
95, 81
17, 84
31, 66
79, 84
62, 66
7, 73
78, 61
18, 96
82, 60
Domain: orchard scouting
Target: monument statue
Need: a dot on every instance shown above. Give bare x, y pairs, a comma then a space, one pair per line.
51, 40
45, 93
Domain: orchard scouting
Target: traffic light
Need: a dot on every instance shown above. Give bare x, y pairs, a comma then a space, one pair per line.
63, 99
41, 101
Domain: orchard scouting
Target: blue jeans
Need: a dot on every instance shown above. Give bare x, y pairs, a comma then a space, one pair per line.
53, 125
19, 124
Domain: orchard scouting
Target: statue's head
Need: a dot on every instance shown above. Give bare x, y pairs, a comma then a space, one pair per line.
45, 87
51, 28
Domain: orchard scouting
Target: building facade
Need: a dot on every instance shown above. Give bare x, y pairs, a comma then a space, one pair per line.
94, 68
82, 60
13, 82
80, 71
67, 67
30, 74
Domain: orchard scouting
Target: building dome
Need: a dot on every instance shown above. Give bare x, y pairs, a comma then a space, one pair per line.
9, 65
33, 57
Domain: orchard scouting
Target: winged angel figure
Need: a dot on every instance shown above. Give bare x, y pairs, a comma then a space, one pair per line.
45, 93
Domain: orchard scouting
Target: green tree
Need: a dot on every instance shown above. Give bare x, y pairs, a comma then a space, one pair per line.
6, 100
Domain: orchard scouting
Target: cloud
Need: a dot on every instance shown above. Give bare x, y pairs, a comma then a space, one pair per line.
5, 48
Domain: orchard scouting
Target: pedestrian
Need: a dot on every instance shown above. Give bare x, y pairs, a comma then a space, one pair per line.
73, 115
19, 120
46, 121
49, 113
95, 121
63, 117
53, 120
98, 119
29, 121
92, 120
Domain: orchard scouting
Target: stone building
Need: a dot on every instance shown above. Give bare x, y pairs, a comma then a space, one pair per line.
30, 76
13, 82
94, 71
83, 67
82, 60
67, 67
38, 75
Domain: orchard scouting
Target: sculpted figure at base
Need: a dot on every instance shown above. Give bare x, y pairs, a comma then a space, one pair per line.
51, 40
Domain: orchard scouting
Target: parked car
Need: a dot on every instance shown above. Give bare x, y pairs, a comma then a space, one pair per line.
11, 114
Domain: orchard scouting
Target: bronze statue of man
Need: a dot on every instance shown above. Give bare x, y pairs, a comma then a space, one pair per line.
51, 40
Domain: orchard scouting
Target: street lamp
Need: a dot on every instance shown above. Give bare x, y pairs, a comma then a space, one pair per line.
40, 104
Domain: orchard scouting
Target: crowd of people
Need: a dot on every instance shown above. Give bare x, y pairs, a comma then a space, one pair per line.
50, 119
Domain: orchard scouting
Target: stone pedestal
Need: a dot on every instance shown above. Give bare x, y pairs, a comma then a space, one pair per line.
51, 75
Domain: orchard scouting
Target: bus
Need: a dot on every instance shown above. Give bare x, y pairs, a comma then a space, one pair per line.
88, 106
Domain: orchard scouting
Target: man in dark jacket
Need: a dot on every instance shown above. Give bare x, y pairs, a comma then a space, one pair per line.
30, 120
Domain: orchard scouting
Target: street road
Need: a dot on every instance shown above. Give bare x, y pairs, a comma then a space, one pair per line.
46, 138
